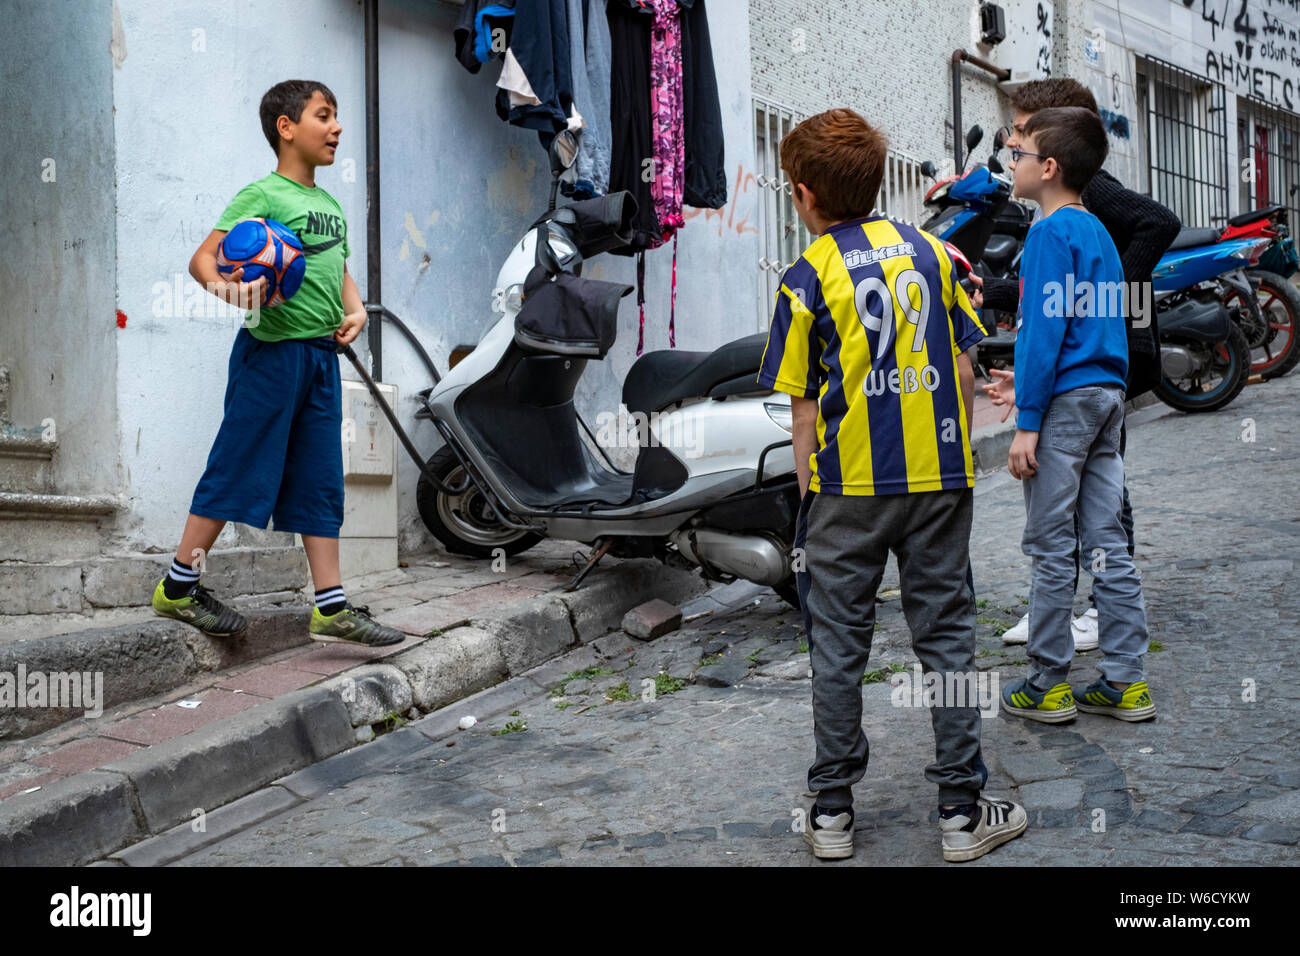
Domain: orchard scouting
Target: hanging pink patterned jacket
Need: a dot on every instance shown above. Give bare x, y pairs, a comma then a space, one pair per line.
666, 116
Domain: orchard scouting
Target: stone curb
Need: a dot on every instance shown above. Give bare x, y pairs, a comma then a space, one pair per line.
156, 791
140, 660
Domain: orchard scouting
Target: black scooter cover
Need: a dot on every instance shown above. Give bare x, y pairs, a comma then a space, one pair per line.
597, 225
564, 314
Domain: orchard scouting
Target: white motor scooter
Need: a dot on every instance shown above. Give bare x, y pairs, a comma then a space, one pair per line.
714, 483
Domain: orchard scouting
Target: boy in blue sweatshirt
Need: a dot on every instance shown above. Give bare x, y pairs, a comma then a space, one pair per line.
1071, 361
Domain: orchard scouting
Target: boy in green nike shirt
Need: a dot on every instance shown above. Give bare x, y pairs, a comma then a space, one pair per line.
278, 454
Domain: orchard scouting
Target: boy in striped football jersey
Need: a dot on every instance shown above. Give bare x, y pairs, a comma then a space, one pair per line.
868, 337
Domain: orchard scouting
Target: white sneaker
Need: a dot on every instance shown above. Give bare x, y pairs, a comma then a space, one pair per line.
994, 823
1018, 634
831, 838
1084, 629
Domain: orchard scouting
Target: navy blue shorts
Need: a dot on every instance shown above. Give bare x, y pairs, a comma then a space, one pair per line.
278, 455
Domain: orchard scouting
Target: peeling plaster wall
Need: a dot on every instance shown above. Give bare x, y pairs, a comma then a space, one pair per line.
58, 248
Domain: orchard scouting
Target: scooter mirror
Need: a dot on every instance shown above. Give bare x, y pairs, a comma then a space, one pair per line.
974, 136
927, 169
564, 151
999, 138
995, 164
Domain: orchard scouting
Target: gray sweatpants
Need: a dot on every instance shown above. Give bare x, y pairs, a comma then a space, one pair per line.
849, 540
1080, 471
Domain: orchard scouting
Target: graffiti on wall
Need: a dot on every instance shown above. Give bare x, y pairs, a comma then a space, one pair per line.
727, 214
1254, 49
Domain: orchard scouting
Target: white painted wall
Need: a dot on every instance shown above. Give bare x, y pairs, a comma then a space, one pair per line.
458, 188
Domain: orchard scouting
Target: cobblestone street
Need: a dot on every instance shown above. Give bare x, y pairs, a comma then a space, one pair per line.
714, 771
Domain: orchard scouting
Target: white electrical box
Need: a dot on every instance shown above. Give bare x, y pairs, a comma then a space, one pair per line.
369, 444
368, 538
1027, 49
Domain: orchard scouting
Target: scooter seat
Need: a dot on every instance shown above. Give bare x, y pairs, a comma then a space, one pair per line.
1255, 215
1195, 237
657, 379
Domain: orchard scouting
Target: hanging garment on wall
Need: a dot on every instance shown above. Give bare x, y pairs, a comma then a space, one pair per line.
474, 28
513, 82
706, 174
666, 116
589, 58
631, 163
540, 44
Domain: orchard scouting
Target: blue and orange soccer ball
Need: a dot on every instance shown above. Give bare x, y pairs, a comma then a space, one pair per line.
268, 248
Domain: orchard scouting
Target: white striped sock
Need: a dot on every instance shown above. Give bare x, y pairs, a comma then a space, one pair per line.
179, 572
330, 596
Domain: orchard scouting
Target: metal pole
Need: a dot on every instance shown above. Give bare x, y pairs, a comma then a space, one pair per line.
374, 259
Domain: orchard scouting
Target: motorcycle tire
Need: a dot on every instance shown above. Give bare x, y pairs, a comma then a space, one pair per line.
1285, 358
1234, 379
464, 524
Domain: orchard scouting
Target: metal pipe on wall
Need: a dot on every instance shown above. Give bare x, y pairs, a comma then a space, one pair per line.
374, 258
958, 139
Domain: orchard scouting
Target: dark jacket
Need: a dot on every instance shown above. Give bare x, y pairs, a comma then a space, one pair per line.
540, 42
706, 175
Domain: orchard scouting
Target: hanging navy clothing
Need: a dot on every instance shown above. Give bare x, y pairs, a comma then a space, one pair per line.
540, 42
706, 174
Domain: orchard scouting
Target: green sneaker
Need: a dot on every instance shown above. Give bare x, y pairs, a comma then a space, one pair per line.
1054, 706
352, 625
201, 609
1132, 703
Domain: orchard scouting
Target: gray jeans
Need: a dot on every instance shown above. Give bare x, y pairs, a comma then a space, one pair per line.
1080, 471
849, 540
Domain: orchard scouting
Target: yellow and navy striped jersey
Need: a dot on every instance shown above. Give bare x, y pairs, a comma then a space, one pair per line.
870, 321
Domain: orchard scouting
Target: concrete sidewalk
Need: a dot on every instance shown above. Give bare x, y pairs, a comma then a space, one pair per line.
234, 723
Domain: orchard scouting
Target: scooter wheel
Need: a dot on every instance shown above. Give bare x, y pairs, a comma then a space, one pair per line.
1233, 358
464, 523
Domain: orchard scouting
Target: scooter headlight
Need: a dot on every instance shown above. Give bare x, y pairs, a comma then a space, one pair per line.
781, 414
514, 297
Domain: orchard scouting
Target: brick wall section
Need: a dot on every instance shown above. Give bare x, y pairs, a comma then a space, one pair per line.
887, 60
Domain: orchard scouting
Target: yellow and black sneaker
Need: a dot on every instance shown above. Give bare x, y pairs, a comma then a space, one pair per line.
1021, 699
201, 609
1132, 703
352, 625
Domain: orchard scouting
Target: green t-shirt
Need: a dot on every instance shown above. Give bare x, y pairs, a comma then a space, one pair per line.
315, 216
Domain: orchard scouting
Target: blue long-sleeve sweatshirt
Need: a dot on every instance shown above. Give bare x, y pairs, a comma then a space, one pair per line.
1071, 331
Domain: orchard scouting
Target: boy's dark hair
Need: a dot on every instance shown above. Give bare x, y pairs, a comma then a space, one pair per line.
840, 158
288, 99
1048, 94
1074, 137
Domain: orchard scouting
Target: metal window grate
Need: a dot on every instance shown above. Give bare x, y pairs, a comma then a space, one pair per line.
782, 236
1269, 145
1187, 141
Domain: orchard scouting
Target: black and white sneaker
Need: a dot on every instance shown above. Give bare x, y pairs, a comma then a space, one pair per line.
984, 825
830, 836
